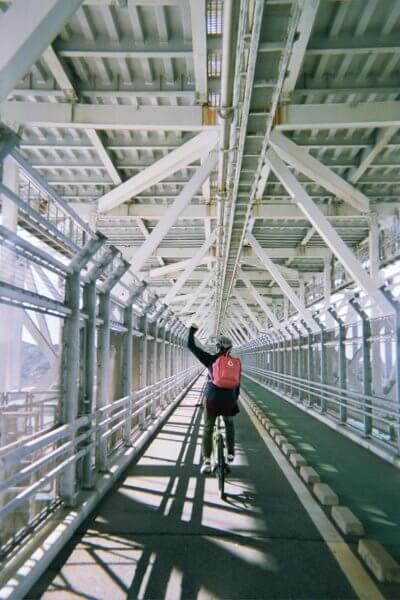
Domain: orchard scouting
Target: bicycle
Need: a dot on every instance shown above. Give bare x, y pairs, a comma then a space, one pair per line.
218, 457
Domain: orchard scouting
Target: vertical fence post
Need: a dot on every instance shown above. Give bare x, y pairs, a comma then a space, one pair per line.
323, 363
299, 370
71, 358
366, 364
89, 306
291, 363
127, 361
309, 362
70, 376
341, 364
396, 306
104, 358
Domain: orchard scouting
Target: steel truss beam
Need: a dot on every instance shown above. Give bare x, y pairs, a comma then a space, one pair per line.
161, 169
32, 27
83, 116
191, 266
294, 117
281, 281
327, 233
302, 161
259, 299
162, 228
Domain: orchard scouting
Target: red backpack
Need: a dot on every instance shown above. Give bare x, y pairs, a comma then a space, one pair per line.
226, 372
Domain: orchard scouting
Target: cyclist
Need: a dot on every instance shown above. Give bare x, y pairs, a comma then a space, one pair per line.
218, 401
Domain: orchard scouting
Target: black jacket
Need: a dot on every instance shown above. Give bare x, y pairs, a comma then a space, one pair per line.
219, 401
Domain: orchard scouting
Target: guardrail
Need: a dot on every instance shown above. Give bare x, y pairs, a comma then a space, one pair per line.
371, 416
32, 469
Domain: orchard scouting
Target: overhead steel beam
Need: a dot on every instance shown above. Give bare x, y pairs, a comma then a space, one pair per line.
103, 155
328, 234
129, 252
125, 215
174, 210
281, 281
146, 234
304, 28
161, 169
198, 293
259, 299
301, 160
27, 29
199, 40
191, 266
248, 311
294, 117
59, 73
96, 116
366, 44
123, 49
368, 155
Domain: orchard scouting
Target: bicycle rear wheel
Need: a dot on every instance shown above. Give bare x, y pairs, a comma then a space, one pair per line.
221, 466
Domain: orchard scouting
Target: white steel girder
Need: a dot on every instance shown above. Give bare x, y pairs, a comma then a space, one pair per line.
305, 25
198, 293
164, 225
204, 305
281, 281
27, 28
243, 323
262, 303
168, 269
184, 253
328, 233
191, 266
301, 160
199, 42
125, 214
248, 311
294, 117
368, 155
163, 168
96, 116
103, 155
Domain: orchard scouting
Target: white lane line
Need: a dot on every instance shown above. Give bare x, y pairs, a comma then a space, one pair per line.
359, 579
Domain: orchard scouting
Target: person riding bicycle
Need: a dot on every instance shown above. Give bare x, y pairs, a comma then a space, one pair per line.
218, 401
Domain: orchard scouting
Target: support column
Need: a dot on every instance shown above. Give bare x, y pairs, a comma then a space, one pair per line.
310, 364
10, 342
89, 306
323, 363
396, 306
341, 364
366, 364
299, 367
70, 376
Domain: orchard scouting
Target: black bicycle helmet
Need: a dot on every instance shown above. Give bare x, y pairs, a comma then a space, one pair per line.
223, 342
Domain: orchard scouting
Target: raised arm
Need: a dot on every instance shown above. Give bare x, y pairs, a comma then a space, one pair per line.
204, 357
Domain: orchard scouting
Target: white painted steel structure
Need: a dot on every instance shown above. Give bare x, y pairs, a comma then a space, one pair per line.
230, 162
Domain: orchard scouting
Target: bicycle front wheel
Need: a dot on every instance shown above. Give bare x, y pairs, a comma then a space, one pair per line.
221, 466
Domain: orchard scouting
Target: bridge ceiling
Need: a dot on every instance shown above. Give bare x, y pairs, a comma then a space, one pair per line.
126, 83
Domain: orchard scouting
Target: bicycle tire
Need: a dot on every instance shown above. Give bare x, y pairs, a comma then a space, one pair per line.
221, 466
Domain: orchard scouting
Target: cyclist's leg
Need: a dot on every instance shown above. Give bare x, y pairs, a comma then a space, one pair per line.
209, 421
230, 434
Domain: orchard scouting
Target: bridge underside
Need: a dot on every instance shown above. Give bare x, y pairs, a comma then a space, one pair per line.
229, 163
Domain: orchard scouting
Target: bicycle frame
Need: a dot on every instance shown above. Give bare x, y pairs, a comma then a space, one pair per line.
219, 464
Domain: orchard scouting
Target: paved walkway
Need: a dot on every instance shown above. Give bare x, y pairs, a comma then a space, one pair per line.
164, 532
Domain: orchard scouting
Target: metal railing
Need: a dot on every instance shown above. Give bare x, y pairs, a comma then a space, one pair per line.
32, 468
346, 407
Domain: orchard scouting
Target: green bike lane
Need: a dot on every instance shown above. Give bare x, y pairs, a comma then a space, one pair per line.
365, 483
164, 532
